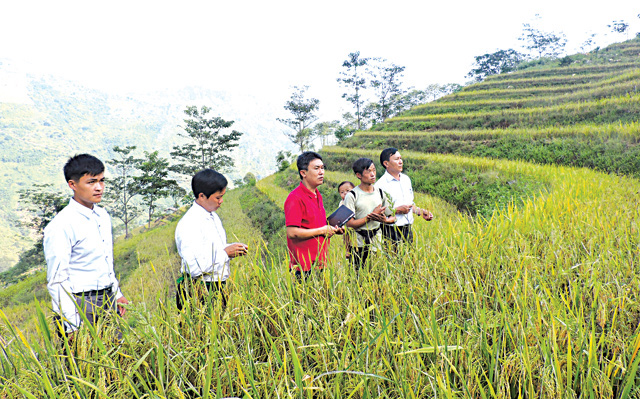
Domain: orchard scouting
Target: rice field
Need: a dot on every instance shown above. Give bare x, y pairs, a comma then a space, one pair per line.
536, 298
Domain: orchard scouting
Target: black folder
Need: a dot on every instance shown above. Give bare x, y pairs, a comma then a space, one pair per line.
340, 217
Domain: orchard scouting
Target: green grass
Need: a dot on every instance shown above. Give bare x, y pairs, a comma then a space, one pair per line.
623, 109
611, 148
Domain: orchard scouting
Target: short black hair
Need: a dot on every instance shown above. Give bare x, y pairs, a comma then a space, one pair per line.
208, 182
361, 164
80, 165
305, 159
346, 182
386, 154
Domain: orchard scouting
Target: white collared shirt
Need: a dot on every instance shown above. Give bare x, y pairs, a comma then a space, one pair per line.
78, 247
401, 194
201, 241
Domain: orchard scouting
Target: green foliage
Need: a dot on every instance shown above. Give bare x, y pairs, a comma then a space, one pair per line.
385, 81
502, 61
123, 188
207, 145
266, 216
43, 202
153, 182
304, 115
470, 189
284, 160
545, 44
353, 79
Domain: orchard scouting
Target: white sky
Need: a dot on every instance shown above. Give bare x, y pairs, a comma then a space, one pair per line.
267, 46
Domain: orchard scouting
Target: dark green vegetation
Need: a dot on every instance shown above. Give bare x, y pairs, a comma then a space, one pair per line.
469, 188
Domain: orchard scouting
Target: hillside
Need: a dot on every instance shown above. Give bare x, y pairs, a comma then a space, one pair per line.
44, 120
523, 286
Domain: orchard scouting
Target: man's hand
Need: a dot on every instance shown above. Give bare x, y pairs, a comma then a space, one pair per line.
120, 302
426, 215
331, 230
403, 209
378, 214
236, 249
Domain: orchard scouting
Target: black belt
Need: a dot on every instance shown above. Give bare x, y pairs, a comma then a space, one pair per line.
106, 290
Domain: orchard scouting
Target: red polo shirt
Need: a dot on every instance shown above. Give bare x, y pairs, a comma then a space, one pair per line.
305, 209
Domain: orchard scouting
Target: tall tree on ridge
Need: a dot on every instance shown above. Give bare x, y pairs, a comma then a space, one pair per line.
501, 61
207, 144
153, 182
385, 81
546, 44
303, 111
354, 80
123, 188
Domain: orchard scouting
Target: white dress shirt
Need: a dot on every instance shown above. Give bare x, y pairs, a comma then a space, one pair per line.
401, 194
201, 241
78, 247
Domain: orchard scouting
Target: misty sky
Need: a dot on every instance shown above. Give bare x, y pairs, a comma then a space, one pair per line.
266, 47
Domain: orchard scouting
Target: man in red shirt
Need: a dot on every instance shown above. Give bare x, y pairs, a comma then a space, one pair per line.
308, 233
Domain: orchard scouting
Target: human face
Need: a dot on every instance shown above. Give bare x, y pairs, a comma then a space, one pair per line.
314, 175
214, 201
344, 189
368, 176
88, 189
394, 164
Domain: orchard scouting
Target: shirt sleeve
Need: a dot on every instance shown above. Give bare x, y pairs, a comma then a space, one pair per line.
292, 212
350, 201
57, 251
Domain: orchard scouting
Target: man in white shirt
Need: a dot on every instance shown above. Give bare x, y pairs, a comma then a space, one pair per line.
78, 248
398, 186
202, 241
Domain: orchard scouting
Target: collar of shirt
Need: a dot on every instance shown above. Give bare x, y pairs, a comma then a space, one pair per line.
309, 193
83, 210
198, 208
390, 178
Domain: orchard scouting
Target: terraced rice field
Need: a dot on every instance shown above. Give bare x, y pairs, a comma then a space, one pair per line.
525, 285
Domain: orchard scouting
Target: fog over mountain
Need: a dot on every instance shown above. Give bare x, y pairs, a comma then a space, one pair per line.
45, 119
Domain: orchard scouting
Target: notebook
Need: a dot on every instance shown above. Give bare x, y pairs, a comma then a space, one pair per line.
340, 217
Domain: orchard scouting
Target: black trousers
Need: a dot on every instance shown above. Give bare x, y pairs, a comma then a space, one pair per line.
359, 256
396, 234
202, 290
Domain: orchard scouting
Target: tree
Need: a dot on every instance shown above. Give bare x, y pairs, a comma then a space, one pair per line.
43, 203
546, 44
303, 111
179, 195
386, 84
283, 160
324, 130
619, 27
588, 44
501, 61
353, 79
123, 188
153, 182
207, 145
346, 130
